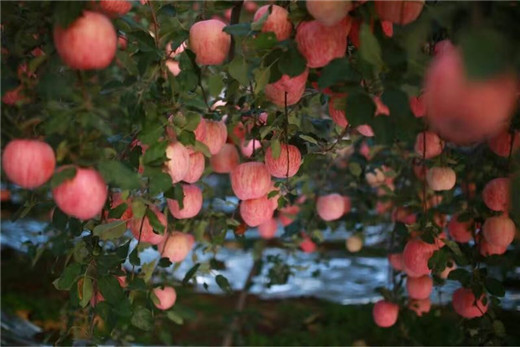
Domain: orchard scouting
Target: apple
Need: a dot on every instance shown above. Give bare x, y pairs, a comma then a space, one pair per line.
115, 202
320, 44
338, 116
176, 246
277, 22
216, 135
114, 8
385, 313
399, 12
178, 162
287, 164
434, 145
486, 249
13, 96
449, 268
501, 143
460, 231
200, 130
173, 66
144, 228
347, 204
167, 297
396, 261
388, 28
465, 305
90, 42
209, 42
404, 215
416, 255
365, 130
268, 229
288, 214
420, 307
330, 207
463, 110
496, 194
376, 178
441, 178
256, 211
82, 196
196, 168
307, 245
28, 163
225, 160
293, 86
499, 231
417, 106
419, 287
248, 147
354, 244
328, 12
250, 180
192, 202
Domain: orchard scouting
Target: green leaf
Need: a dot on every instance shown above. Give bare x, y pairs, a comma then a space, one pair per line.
261, 76
59, 219
190, 273
155, 155
174, 317
134, 257
308, 139
359, 108
241, 29
63, 175
87, 291
118, 211
110, 231
68, 277
176, 193
165, 262
237, 68
138, 208
66, 12
223, 284
461, 275
370, 50
201, 147
215, 84
338, 70
157, 226
159, 181
118, 174
275, 148
292, 62
142, 318
355, 169
264, 41
494, 287
111, 289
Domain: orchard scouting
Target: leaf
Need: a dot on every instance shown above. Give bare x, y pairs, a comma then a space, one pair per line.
215, 85
63, 175
66, 12
156, 154
118, 211
275, 148
134, 257
138, 208
292, 62
68, 277
59, 219
111, 289
338, 70
190, 273
355, 169
110, 231
359, 108
494, 287
308, 139
157, 226
461, 275
174, 317
223, 284
119, 175
237, 68
159, 181
370, 50
87, 291
142, 318
242, 29
165, 262
176, 193
261, 76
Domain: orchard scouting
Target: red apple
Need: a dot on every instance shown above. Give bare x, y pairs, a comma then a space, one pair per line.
196, 168
328, 12
465, 305
176, 246
419, 287
116, 201
385, 313
192, 202
83, 196
460, 231
28, 163
496, 194
347, 204
268, 229
248, 147
114, 8
167, 297
146, 231
293, 86
288, 214
287, 164
464, 111
330, 207
434, 145
388, 28
320, 44
200, 131
399, 12
354, 244
441, 178
338, 116
307, 245
420, 307
178, 162
486, 249
173, 66
416, 255
11, 97
404, 215
417, 106
216, 135
499, 231
256, 211
277, 22
225, 160
90, 42
209, 42
396, 261
501, 144
250, 180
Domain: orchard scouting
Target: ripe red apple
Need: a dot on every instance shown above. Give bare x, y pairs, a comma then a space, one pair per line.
388, 28
347, 204
328, 12
486, 249
287, 164
167, 297
417, 106
83, 196
399, 12
354, 244
307, 245
376, 178
28, 163
396, 261
209, 42
499, 231
501, 144
465, 305
496, 194
419, 287
464, 111
268, 229
11, 97
385, 313
173, 66
179, 161
147, 233
277, 22
441, 178
256, 211
365, 130
404, 215
196, 168
176, 246
416, 255
434, 145
293, 86
114, 8
330, 207
90, 42
226, 159
288, 214
216, 135
338, 116
420, 307
192, 202
320, 44
460, 231
248, 147
250, 180
200, 131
